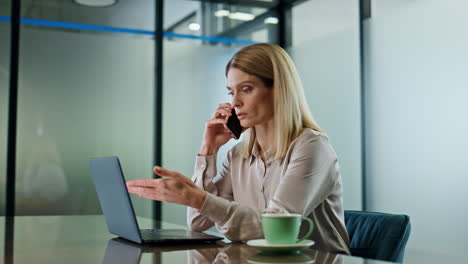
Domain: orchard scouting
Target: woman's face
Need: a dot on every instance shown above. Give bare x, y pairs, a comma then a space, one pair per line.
252, 100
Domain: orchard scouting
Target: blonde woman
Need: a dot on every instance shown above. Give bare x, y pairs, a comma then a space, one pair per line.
284, 163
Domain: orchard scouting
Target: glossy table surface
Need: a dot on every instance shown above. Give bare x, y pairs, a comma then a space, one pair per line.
85, 239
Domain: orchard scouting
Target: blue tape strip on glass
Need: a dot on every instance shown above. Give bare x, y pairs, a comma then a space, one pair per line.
59, 24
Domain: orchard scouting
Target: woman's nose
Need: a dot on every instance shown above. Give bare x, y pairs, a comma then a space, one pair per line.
236, 102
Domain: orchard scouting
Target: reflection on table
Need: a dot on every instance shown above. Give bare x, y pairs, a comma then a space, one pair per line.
119, 251
85, 239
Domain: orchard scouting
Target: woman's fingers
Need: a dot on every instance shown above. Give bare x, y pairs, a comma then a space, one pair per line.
222, 110
139, 190
221, 113
225, 105
147, 186
214, 122
174, 188
168, 173
157, 183
142, 182
166, 190
165, 172
147, 192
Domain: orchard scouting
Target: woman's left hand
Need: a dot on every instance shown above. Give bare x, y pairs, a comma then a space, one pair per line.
174, 188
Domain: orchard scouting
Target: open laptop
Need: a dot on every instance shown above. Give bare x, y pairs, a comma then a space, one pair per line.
118, 209
121, 251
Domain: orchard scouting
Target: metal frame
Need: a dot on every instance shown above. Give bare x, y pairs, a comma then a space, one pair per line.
158, 96
284, 23
12, 127
250, 3
12, 109
364, 13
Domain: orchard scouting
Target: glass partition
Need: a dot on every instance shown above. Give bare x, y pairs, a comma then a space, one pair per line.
194, 81
82, 94
218, 22
326, 52
119, 14
5, 9
4, 91
417, 150
188, 103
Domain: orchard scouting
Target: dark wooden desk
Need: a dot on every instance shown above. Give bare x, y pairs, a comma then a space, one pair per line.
85, 239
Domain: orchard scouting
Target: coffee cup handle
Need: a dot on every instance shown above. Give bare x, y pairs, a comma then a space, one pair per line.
311, 228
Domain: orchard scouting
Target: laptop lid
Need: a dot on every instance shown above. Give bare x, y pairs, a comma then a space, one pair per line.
114, 198
121, 253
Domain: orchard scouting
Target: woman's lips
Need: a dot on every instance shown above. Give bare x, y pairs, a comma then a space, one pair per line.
241, 115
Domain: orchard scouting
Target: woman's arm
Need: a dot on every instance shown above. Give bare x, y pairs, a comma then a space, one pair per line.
310, 177
215, 135
204, 173
173, 188
176, 188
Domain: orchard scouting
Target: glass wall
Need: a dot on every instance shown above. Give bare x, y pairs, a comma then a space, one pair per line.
122, 14
82, 94
194, 82
209, 20
4, 90
417, 147
86, 89
325, 47
4, 79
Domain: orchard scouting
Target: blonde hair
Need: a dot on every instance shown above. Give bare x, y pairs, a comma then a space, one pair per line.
275, 68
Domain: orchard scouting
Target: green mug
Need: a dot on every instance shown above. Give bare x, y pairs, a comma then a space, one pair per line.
283, 229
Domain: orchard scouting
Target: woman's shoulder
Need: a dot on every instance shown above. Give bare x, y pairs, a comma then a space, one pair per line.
311, 135
311, 141
236, 150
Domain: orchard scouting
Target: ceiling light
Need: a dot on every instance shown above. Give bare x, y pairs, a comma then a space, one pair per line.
271, 20
194, 26
222, 13
96, 3
241, 16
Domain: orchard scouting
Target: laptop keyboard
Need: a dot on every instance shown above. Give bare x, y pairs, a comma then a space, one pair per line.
161, 234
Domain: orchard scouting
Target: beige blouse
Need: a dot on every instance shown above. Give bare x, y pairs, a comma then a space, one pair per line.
307, 181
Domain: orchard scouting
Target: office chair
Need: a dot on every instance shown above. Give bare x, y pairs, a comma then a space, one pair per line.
377, 235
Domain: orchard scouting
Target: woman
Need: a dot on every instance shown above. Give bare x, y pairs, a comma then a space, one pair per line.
284, 164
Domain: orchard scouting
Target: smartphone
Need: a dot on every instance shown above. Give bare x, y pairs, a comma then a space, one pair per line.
233, 125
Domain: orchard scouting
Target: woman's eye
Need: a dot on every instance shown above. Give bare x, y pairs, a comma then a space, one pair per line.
246, 89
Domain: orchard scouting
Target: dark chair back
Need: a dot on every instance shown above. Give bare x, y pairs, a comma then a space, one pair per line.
378, 235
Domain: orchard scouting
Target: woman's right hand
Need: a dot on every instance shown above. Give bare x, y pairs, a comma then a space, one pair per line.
216, 134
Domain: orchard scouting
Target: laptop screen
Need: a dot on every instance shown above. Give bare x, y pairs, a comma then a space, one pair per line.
114, 198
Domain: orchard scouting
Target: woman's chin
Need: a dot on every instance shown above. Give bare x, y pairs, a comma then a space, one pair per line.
244, 123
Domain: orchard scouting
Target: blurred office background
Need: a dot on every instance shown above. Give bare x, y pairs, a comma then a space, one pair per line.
385, 78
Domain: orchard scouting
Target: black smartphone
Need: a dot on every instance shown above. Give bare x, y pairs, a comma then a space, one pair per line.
233, 125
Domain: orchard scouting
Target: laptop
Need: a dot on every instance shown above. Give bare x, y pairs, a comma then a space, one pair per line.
118, 209
119, 250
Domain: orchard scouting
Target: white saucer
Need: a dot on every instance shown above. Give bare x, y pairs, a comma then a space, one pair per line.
263, 246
